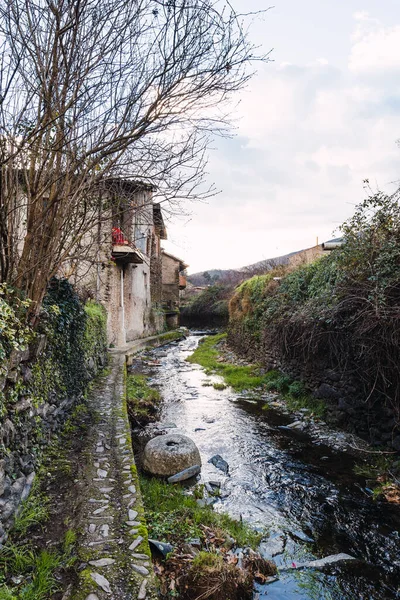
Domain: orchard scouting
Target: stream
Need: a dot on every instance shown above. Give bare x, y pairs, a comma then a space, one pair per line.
304, 494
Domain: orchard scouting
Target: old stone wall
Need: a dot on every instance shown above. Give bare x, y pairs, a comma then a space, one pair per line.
170, 281
39, 387
336, 384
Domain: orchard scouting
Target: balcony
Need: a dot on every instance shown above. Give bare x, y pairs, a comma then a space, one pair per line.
123, 252
182, 282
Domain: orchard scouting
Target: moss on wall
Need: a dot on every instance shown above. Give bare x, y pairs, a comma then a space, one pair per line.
46, 372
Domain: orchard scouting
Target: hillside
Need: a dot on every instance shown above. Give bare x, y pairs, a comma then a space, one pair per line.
235, 275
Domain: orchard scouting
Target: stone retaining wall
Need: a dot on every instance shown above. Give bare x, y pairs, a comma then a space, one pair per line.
30, 420
336, 385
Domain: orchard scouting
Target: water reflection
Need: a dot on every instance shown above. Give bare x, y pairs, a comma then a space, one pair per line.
306, 496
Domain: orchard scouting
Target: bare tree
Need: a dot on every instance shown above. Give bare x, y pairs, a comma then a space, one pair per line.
95, 89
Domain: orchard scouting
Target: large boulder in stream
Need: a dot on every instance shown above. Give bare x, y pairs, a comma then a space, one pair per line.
169, 454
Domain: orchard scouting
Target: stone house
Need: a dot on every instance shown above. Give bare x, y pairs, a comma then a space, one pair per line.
122, 266
173, 286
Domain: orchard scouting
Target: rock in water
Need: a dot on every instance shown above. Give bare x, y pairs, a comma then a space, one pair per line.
220, 463
321, 563
170, 454
185, 474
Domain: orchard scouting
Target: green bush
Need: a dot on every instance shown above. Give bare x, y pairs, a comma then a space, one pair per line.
95, 336
297, 389
75, 333
344, 306
14, 333
210, 305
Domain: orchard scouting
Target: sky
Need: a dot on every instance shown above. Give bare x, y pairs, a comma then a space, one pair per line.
311, 126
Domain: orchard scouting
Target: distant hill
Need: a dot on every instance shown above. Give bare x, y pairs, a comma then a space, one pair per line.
235, 275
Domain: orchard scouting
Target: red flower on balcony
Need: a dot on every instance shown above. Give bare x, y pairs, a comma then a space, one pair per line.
118, 238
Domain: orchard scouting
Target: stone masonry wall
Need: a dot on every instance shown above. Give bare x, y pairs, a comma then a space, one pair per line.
336, 385
38, 394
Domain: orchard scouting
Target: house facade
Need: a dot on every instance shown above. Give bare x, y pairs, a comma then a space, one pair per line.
173, 286
122, 269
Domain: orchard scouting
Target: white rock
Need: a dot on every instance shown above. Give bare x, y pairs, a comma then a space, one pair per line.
102, 582
132, 514
142, 590
136, 543
141, 570
102, 562
100, 510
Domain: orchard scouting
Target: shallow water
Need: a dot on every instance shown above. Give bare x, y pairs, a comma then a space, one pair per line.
305, 495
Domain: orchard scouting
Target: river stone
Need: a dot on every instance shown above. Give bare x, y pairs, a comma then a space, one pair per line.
219, 463
2, 476
185, 474
169, 454
320, 563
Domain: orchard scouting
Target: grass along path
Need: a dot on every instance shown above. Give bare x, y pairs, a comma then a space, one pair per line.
202, 563
173, 516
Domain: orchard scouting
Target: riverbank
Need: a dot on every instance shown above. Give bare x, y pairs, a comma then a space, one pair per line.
304, 493
381, 468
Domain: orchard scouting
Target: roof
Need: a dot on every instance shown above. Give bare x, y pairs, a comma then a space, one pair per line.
182, 265
126, 184
159, 221
333, 244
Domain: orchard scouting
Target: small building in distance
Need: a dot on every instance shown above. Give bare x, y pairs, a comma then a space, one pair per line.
173, 286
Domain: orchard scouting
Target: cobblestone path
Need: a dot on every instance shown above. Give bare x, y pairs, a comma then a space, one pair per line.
113, 544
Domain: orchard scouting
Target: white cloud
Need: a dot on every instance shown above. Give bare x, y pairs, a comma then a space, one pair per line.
375, 47
308, 136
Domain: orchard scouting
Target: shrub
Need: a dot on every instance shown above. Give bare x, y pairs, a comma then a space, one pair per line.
343, 307
210, 305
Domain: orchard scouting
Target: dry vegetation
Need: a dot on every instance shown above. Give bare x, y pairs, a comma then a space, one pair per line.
344, 307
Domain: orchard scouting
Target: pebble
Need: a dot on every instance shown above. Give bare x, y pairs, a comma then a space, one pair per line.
140, 556
104, 529
132, 514
102, 582
102, 562
132, 489
142, 590
141, 570
132, 523
100, 510
136, 543
102, 473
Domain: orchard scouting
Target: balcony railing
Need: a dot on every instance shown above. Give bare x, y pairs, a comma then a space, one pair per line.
123, 252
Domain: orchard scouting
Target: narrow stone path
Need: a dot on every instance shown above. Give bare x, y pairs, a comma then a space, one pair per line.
113, 546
